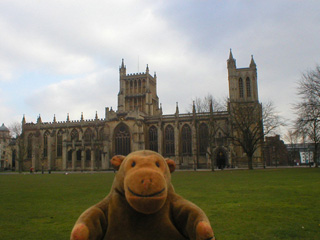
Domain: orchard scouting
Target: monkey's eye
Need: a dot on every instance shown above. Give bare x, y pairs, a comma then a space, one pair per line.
133, 164
157, 164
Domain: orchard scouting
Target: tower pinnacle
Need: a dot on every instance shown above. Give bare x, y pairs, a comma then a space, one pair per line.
230, 54
122, 63
252, 63
177, 108
23, 120
231, 61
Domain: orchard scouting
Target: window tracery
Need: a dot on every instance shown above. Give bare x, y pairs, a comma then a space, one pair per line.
153, 139
248, 86
169, 141
122, 140
186, 140
59, 144
241, 88
203, 138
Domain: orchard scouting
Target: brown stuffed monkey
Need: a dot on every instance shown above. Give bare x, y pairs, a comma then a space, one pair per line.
142, 205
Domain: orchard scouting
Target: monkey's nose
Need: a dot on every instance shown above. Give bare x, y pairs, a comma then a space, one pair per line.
146, 183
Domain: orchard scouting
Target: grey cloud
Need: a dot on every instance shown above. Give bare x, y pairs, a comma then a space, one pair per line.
185, 42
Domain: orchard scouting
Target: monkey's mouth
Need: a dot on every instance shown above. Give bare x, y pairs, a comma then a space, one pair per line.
146, 196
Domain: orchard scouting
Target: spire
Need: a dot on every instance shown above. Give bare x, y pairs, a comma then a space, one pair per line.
68, 118
54, 118
177, 108
122, 63
81, 116
252, 63
122, 68
230, 54
39, 119
193, 107
147, 69
231, 61
96, 115
23, 120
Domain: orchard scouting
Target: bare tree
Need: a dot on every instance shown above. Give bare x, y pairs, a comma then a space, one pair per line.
19, 146
292, 138
308, 109
214, 126
15, 129
209, 105
202, 105
250, 124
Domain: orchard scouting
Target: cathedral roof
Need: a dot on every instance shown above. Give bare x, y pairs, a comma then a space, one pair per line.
3, 128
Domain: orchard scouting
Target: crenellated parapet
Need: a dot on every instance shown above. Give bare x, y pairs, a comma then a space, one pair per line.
63, 124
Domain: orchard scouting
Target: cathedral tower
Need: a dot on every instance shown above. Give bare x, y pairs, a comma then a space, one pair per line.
138, 91
243, 86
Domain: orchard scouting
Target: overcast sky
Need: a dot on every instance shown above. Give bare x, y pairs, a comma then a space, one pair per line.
59, 57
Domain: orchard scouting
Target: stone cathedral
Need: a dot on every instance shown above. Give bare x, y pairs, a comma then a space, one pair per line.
138, 123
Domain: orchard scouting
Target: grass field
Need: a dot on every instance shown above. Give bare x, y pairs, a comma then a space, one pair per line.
241, 204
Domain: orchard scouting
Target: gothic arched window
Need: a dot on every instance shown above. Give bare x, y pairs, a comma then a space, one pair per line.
98, 157
88, 155
59, 144
135, 86
186, 140
29, 147
101, 134
88, 158
69, 159
78, 160
45, 144
88, 135
203, 138
122, 140
241, 88
169, 141
74, 135
153, 139
131, 87
69, 155
139, 85
248, 86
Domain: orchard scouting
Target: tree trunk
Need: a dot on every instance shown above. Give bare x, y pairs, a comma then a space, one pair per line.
315, 157
212, 163
250, 167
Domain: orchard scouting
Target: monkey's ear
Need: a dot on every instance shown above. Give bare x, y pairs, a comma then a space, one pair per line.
171, 165
116, 161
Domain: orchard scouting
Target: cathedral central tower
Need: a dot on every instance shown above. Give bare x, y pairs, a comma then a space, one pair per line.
138, 91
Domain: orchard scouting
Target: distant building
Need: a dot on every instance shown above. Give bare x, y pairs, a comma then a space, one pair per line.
138, 123
301, 153
4, 143
275, 152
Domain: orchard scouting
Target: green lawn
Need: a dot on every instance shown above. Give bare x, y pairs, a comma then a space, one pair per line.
241, 204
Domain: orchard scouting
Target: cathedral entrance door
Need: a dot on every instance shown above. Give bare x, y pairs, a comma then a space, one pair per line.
221, 160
